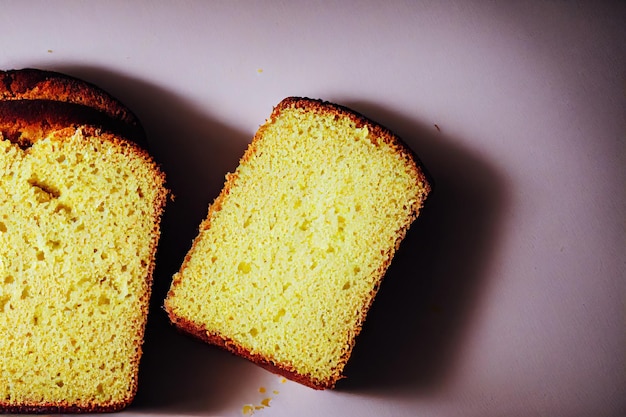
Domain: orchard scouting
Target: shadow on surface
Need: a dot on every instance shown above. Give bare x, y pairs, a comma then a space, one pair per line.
177, 373
417, 325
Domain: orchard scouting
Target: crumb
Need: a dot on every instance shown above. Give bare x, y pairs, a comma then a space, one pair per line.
49, 51
249, 409
283, 380
260, 70
275, 392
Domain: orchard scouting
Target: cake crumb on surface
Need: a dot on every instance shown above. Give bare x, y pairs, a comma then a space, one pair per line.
261, 402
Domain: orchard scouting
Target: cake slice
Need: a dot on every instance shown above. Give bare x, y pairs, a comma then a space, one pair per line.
80, 207
294, 249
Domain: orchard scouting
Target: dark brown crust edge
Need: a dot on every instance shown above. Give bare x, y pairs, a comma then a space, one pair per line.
63, 409
378, 132
44, 116
38, 84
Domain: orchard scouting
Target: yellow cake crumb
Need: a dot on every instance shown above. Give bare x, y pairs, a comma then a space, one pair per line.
77, 214
293, 250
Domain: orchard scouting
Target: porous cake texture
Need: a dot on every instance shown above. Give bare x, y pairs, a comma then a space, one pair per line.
79, 224
293, 250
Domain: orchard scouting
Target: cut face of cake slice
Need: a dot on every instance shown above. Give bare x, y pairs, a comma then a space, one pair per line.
80, 207
79, 215
293, 250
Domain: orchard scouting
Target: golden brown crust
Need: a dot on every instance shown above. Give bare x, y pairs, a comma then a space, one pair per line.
377, 133
23, 120
66, 407
35, 84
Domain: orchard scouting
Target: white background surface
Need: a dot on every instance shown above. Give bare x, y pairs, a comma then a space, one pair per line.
508, 297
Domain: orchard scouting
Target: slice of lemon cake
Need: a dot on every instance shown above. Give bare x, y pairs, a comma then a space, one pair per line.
80, 209
293, 250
